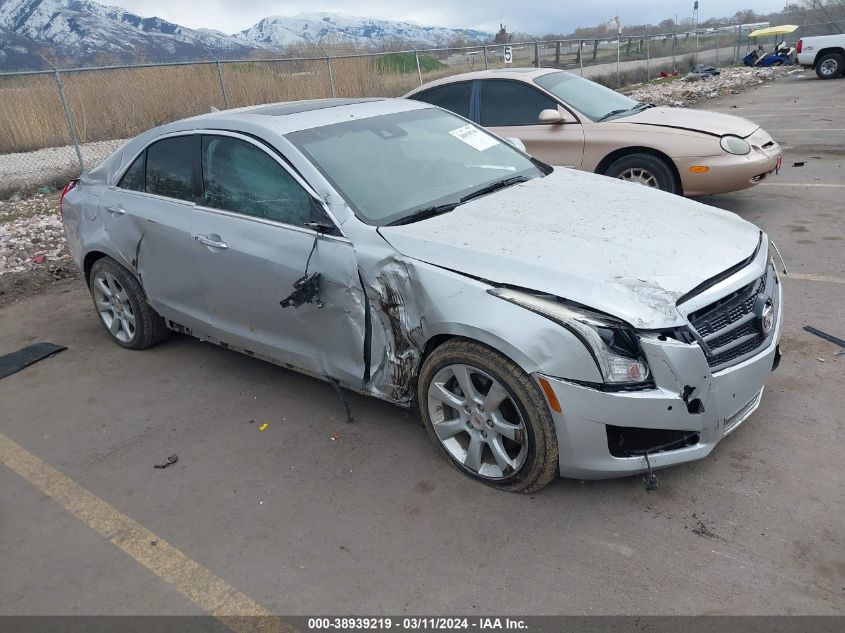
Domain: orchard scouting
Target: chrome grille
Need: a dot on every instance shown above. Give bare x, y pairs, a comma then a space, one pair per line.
729, 326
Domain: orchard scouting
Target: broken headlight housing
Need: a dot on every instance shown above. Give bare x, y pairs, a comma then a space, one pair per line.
735, 145
610, 341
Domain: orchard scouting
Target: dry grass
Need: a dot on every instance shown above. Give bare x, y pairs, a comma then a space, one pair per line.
114, 104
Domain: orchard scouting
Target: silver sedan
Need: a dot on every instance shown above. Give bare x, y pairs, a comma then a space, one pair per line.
543, 321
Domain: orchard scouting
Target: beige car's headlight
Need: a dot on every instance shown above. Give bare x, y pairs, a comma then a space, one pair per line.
735, 145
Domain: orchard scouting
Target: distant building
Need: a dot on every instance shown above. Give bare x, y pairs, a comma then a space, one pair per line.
502, 37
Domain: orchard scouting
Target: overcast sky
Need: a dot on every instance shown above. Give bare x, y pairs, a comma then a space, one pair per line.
538, 17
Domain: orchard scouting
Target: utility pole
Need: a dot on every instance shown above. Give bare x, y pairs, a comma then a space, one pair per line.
695, 26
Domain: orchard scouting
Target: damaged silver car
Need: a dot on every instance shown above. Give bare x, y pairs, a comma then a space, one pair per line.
543, 321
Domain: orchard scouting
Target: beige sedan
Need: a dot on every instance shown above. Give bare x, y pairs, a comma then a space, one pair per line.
569, 121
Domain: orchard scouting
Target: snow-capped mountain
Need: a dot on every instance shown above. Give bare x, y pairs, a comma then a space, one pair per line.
280, 30
82, 32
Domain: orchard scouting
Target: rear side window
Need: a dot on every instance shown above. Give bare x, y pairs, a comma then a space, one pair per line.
170, 167
240, 177
511, 103
454, 97
133, 178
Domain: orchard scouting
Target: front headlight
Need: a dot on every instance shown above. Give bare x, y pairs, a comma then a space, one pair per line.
735, 145
610, 341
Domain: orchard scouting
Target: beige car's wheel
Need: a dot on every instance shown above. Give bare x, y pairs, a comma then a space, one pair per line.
644, 169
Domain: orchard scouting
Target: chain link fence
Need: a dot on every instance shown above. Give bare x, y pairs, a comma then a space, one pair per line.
57, 123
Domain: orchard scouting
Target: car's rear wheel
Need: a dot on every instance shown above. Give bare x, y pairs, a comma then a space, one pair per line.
644, 169
122, 305
488, 417
830, 66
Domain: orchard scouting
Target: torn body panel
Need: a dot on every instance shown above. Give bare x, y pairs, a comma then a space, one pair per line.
413, 302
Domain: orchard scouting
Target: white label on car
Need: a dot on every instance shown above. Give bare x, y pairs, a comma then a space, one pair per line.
474, 137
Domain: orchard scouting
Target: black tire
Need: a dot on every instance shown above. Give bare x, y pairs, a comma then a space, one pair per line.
830, 66
653, 165
149, 327
541, 463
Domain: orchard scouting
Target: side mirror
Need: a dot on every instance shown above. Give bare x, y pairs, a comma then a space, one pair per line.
516, 143
550, 116
555, 116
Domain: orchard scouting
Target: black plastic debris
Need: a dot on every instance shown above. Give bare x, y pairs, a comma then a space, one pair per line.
26, 356
799, 164
828, 337
170, 460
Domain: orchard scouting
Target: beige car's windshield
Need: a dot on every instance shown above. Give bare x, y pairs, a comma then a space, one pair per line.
390, 168
589, 98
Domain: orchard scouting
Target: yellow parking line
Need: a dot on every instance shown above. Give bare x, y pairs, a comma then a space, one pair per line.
809, 277
797, 184
191, 579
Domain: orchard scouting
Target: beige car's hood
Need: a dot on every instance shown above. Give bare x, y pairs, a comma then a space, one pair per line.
697, 120
628, 250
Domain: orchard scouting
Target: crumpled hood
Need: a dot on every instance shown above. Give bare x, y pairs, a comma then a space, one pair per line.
615, 246
696, 120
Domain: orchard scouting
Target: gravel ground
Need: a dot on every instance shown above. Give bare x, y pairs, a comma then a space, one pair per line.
681, 92
33, 251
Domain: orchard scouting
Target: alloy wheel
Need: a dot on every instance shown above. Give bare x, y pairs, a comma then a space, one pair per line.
477, 421
640, 176
114, 307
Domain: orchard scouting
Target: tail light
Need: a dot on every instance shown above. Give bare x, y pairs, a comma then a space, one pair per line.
799, 46
68, 187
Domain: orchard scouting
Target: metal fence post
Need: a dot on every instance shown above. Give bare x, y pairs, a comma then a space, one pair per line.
647, 58
71, 128
581, 55
674, 42
222, 83
419, 70
486, 66
536, 54
331, 75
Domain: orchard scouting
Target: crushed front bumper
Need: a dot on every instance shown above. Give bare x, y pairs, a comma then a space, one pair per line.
687, 398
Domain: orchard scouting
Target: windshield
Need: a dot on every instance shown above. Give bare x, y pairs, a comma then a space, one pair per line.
393, 166
589, 98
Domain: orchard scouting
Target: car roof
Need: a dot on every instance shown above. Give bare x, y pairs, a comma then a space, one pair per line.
520, 74
285, 117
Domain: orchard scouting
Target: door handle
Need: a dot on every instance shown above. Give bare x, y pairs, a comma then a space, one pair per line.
115, 209
207, 241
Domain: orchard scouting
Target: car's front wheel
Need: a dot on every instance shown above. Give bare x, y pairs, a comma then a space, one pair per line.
644, 169
830, 66
122, 306
488, 416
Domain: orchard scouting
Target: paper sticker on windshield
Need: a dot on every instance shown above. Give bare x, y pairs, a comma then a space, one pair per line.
474, 137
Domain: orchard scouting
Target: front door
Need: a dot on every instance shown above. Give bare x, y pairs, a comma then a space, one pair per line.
512, 109
253, 243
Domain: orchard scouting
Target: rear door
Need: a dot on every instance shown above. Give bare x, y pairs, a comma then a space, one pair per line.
512, 109
253, 243
149, 216
454, 97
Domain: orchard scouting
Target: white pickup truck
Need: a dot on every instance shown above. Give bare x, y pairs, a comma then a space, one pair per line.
824, 53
